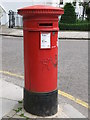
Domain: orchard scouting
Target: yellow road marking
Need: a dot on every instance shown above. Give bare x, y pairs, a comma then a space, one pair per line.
12, 74
84, 104
76, 100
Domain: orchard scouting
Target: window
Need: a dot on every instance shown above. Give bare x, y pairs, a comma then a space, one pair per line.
61, 2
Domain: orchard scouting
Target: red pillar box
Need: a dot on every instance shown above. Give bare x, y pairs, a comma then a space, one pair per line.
40, 25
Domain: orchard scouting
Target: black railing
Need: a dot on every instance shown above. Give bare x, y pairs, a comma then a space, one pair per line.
15, 20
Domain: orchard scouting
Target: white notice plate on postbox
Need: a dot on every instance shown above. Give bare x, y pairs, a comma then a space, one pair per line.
45, 40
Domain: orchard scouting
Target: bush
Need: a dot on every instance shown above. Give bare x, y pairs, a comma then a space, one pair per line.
78, 27
69, 15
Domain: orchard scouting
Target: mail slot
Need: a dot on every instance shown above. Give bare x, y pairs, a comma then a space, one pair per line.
46, 24
40, 26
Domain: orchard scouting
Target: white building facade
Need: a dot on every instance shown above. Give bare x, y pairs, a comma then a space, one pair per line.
16, 4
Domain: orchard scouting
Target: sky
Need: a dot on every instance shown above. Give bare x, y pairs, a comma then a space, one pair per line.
32, 1
16, 4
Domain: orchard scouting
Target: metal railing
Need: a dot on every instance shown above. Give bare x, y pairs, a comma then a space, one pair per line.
15, 20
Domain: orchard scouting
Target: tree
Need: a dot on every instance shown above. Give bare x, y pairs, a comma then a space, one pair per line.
69, 15
88, 13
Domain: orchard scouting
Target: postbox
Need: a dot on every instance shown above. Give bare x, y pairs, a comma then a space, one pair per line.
40, 26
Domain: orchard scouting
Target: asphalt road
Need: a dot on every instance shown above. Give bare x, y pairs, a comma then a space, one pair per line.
73, 67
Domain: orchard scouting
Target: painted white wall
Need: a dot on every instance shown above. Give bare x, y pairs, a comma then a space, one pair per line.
79, 10
4, 19
3, 15
66, 1
70, 1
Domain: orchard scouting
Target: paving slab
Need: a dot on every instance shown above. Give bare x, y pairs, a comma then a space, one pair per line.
12, 104
0, 108
9, 97
24, 114
70, 111
11, 91
64, 111
73, 34
7, 106
17, 32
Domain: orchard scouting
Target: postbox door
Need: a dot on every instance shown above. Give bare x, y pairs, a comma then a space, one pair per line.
41, 61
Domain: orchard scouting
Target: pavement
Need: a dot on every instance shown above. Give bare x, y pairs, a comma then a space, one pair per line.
11, 102
11, 95
5, 31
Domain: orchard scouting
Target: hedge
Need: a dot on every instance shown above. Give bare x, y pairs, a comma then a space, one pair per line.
78, 27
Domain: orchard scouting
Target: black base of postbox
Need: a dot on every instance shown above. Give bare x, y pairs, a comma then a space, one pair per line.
41, 104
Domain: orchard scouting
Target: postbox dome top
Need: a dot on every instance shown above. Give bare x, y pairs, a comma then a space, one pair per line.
40, 9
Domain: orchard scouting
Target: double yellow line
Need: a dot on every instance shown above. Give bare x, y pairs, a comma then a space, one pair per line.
12, 74
76, 100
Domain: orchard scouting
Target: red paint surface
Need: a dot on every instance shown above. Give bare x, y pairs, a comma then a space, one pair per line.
40, 64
